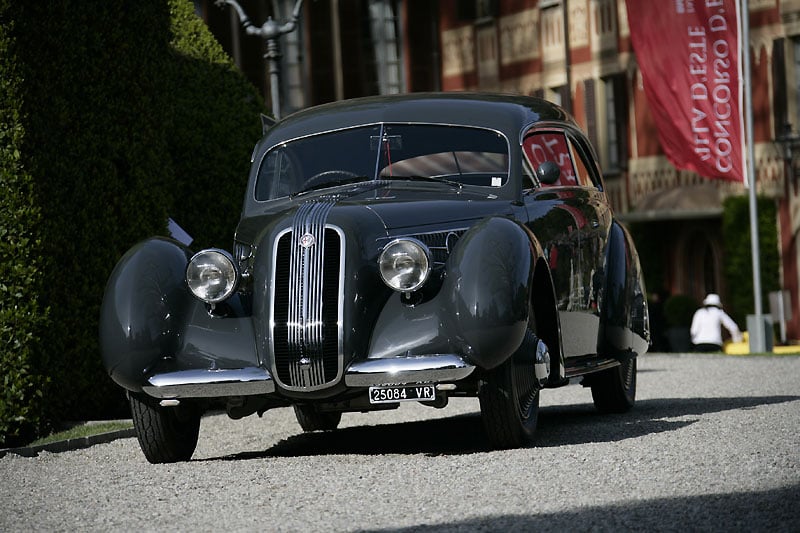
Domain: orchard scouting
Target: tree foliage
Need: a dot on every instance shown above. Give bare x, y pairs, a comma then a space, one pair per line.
739, 258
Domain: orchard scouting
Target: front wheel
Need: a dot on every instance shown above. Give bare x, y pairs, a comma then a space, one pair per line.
614, 390
509, 398
165, 434
311, 418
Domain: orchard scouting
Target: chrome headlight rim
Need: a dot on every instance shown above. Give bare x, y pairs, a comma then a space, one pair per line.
424, 266
207, 261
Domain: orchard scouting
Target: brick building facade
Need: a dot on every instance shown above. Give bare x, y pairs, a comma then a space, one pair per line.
579, 54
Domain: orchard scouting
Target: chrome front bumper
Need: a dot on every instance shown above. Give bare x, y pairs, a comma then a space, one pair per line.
257, 381
401, 370
210, 383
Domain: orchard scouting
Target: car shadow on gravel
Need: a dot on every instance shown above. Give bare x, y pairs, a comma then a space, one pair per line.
770, 510
463, 434
457, 435
580, 424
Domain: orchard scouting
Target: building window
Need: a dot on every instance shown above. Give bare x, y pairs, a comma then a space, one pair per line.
780, 114
615, 120
589, 95
475, 10
385, 31
549, 3
786, 84
612, 134
795, 89
293, 76
555, 95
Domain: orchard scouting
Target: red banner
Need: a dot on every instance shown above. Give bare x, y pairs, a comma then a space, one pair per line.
688, 53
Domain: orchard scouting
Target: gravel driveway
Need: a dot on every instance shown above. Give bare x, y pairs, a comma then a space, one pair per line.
713, 444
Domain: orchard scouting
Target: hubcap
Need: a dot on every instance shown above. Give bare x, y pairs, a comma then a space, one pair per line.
628, 374
527, 390
529, 383
542, 365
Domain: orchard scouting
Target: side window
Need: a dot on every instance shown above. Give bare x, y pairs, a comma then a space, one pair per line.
586, 161
276, 176
581, 170
541, 147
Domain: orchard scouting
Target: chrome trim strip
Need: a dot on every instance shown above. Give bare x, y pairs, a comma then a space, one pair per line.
412, 369
305, 302
305, 319
340, 303
201, 383
273, 292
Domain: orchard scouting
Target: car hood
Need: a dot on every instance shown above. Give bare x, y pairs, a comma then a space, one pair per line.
396, 205
412, 205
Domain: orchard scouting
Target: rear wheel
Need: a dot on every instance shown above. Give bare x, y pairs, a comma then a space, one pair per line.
165, 434
509, 398
311, 418
614, 390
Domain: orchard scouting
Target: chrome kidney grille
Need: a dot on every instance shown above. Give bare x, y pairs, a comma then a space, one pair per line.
307, 301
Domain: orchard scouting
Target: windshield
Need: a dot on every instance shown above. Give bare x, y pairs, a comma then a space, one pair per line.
467, 156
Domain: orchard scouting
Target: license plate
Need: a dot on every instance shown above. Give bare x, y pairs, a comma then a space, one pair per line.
404, 393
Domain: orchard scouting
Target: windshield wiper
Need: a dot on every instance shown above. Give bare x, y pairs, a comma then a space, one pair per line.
417, 177
333, 183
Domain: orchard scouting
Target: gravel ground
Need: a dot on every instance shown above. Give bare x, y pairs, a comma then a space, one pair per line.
713, 444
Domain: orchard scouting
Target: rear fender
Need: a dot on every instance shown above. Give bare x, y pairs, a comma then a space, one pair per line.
625, 323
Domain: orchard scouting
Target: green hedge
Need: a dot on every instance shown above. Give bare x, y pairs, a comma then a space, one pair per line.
679, 310
126, 114
738, 256
22, 316
216, 115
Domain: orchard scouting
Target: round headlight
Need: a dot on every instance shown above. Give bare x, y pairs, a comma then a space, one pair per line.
212, 275
405, 264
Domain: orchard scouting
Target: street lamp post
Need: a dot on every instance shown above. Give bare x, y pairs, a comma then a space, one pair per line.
270, 31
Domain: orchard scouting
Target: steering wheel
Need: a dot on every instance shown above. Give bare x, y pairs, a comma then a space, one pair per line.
328, 175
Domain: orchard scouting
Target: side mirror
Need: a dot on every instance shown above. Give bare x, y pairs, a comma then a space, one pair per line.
548, 173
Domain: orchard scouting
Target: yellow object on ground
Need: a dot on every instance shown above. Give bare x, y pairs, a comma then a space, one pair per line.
743, 348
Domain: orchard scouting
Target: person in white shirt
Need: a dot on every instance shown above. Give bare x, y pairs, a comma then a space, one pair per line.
707, 326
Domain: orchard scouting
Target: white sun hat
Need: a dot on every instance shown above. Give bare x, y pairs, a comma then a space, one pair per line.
713, 299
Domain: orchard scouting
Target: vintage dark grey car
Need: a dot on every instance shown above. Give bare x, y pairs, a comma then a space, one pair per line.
390, 249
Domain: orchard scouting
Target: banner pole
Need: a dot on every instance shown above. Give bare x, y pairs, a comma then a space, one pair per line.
757, 336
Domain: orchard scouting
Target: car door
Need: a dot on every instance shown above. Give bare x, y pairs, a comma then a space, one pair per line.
571, 218
596, 234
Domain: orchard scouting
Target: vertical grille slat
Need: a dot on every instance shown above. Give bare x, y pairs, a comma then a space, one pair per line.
306, 301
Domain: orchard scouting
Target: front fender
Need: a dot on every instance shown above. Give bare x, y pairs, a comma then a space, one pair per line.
486, 291
143, 310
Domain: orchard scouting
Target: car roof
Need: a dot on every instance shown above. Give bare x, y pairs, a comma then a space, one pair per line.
506, 113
